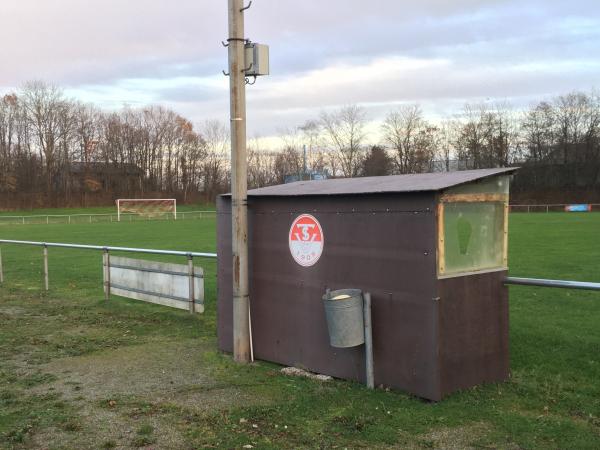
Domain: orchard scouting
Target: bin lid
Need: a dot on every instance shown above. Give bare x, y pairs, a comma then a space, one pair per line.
421, 182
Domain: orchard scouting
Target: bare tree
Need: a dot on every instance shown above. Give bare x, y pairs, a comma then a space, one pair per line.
539, 132
44, 104
191, 152
592, 129
9, 120
346, 132
312, 139
287, 162
577, 126
489, 136
215, 166
411, 138
260, 165
570, 111
445, 140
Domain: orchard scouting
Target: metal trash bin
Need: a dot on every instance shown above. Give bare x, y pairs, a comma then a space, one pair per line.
345, 320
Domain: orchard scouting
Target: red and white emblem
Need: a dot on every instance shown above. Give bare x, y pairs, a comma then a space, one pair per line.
306, 240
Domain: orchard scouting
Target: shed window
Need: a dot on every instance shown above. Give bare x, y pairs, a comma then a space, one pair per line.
473, 229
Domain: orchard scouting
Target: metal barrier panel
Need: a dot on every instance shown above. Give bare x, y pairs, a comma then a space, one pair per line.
156, 282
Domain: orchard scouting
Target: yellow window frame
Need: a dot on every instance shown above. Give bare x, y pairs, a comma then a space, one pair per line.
468, 198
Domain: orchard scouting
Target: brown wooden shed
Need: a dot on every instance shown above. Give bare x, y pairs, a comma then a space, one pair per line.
431, 249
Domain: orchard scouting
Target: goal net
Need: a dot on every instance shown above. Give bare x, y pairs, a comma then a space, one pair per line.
150, 208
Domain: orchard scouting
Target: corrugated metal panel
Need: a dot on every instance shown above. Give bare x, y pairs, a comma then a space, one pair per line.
383, 244
423, 182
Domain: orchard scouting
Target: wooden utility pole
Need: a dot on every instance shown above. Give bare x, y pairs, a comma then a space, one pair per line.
239, 182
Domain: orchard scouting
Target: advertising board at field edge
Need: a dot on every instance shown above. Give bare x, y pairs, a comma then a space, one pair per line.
578, 208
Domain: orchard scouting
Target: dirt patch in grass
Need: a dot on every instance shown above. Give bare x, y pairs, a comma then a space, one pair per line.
465, 437
136, 396
100, 429
11, 312
159, 371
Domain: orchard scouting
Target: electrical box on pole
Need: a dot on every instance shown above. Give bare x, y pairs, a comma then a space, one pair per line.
257, 59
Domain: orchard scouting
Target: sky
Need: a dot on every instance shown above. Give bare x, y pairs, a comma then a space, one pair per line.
379, 54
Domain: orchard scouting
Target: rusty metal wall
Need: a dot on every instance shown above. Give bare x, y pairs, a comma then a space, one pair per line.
473, 330
381, 243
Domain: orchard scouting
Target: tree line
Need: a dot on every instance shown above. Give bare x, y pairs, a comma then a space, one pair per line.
59, 148
564, 130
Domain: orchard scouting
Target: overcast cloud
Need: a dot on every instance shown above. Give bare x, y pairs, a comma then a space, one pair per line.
324, 54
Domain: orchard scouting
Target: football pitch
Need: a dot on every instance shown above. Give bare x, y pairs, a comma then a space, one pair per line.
79, 372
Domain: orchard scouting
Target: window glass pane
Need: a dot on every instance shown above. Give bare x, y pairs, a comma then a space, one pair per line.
473, 236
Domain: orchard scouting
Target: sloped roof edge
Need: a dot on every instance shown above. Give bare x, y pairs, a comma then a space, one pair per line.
424, 182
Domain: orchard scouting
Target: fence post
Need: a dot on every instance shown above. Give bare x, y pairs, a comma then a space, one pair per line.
46, 284
191, 282
1, 269
106, 264
23, 220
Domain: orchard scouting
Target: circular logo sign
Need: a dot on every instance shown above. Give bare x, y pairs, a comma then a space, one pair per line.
306, 240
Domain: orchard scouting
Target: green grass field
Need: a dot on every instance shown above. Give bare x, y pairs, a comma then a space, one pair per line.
77, 372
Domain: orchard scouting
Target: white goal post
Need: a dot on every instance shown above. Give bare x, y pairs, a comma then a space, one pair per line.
148, 207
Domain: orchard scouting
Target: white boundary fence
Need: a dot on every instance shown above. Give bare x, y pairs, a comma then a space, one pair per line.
557, 207
100, 218
188, 215
106, 261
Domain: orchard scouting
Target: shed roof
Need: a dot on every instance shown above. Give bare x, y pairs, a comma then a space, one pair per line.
375, 185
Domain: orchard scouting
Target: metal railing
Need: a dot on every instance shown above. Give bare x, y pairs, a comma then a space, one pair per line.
100, 218
190, 255
554, 207
105, 258
553, 283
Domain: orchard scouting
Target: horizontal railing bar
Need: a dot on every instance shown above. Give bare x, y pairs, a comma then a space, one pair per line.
109, 248
166, 272
553, 283
155, 294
